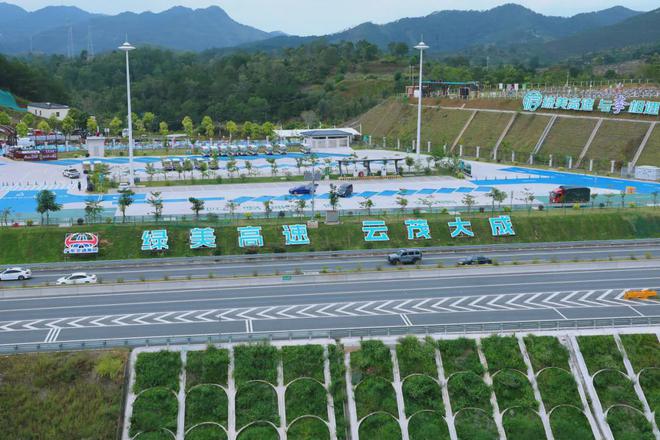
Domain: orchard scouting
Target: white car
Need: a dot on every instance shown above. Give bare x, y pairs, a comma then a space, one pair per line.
15, 274
71, 173
124, 186
77, 278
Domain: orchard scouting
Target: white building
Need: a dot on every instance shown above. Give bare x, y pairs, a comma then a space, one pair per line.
48, 109
328, 137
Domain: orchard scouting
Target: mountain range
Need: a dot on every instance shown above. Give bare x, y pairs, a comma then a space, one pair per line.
52, 30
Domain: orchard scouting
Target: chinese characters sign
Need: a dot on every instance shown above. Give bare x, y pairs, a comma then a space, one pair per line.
295, 234
535, 100
375, 230
202, 238
155, 240
81, 243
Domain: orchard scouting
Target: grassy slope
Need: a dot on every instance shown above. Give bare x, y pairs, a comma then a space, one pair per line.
525, 132
651, 153
123, 242
61, 395
484, 130
617, 141
567, 138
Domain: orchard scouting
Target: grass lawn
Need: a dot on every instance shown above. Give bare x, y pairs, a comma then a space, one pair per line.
524, 133
651, 153
123, 241
567, 138
62, 395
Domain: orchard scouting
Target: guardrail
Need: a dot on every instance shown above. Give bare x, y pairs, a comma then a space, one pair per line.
454, 329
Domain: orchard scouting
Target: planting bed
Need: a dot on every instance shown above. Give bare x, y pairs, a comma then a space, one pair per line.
206, 398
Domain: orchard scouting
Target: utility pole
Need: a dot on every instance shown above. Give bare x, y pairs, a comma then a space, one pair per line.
421, 47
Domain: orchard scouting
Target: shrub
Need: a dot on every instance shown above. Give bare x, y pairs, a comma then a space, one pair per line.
429, 426
338, 387
373, 359
415, 356
381, 427
303, 361
306, 397
474, 424
154, 410
256, 401
160, 369
503, 352
375, 394
422, 393
570, 424
256, 362
522, 424
206, 403
110, 366
308, 428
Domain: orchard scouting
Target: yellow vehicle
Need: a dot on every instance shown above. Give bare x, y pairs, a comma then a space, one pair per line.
640, 294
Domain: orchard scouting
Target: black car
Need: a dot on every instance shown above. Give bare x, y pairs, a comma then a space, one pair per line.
345, 190
475, 259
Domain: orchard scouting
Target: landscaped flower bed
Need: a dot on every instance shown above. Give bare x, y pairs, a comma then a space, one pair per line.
208, 366
604, 360
255, 362
644, 354
206, 432
380, 426
305, 394
259, 431
156, 383
206, 401
308, 428
468, 393
256, 401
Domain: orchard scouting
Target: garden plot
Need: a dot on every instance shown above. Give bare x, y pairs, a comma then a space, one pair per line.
569, 413
515, 395
375, 397
422, 390
644, 354
156, 406
621, 406
468, 393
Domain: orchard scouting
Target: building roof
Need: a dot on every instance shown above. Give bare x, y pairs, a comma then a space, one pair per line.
327, 133
48, 105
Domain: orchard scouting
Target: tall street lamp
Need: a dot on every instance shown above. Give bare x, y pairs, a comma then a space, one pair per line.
126, 47
421, 47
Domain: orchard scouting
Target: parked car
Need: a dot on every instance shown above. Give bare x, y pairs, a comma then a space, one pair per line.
303, 189
77, 278
124, 186
475, 259
405, 256
71, 173
345, 190
15, 274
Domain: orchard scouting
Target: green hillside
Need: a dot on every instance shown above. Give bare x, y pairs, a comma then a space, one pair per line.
616, 141
484, 130
651, 153
567, 138
524, 133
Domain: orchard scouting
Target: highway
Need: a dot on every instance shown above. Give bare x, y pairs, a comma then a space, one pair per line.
137, 270
321, 302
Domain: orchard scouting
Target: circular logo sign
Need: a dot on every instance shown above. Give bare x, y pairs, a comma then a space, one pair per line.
532, 100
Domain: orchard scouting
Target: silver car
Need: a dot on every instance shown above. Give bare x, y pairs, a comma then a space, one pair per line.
15, 274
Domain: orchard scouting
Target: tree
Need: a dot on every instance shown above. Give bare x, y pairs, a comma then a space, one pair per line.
116, 126
428, 201
163, 129
231, 207
204, 170
6, 212
196, 205
231, 128
92, 125
156, 203
367, 204
268, 129
469, 201
22, 129
54, 122
402, 201
299, 164
208, 126
148, 121
68, 125
301, 204
268, 208
188, 166
231, 167
248, 167
655, 198
125, 200
47, 203
93, 209
273, 166
188, 126
28, 119
528, 198
496, 195
4, 118
43, 127
622, 195
150, 170
334, 197
410, 162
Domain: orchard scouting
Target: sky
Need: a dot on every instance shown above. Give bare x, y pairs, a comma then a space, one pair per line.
317, 17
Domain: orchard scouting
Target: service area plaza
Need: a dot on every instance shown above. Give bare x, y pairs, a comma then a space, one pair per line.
21, 181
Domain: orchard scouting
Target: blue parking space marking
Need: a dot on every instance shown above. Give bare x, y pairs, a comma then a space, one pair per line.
407, 192
366, 194
325, 196
283, 198
484, 189
464, 189
445, 190
426, 191
388, 193
263, 199
243, 199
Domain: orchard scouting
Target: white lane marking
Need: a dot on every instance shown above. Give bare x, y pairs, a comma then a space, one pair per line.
406, 320
52, 335
30, 325
161, 318
216, 290
436, 305
560, 313
401, 307
565, 300
97, 321
143, 316
264, 313
303, 311
8, 326
182, 317
478, 299
322, 310
204, 318
248, 326
492, 303
422, 309
75, 322
341, 309
460, 300
549, 300
517, 305
246, 312
365, 305
284, 311
385, 304
636, 311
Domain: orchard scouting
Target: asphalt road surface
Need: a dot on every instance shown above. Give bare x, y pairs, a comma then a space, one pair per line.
509, 295
139, 270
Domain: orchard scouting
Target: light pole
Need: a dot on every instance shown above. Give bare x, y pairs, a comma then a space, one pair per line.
421, 47
126, 47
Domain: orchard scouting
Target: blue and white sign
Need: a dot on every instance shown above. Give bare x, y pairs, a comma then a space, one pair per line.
501, 226
202, 238
156, 240
418, 229
460, 227
375, 230
295, 235
250, 236
535, 100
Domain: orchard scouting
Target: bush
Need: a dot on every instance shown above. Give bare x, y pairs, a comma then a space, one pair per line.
422, 393
558, 387
306, 397
338, 387
160, 369
206, 432
256, 362
375, 394
373, 359
600, 352
428, 426
627, 424
256, 401
110, 366
570, 424
260, 431
503, 352
154, 410
474, 424
513, 389
522, 424
415, 356
308, 428
210, 366
469, 390
381, 427
460, 355
206, 403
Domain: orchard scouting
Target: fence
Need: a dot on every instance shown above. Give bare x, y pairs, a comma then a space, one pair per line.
453, 329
